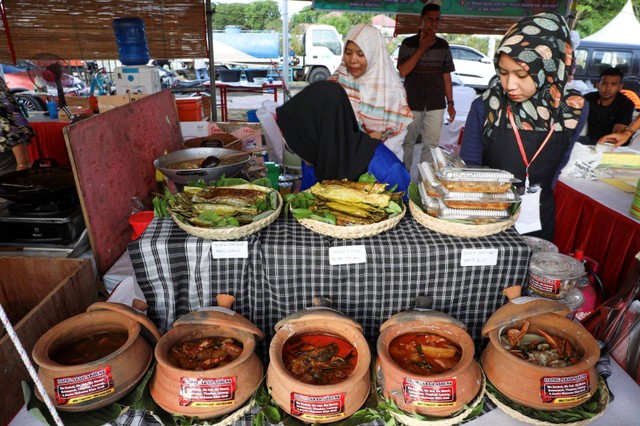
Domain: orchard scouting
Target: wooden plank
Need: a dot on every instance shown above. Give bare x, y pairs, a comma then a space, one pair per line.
52, 290
112, 158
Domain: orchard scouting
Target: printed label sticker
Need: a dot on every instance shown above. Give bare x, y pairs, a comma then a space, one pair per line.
203, 392
320, 407
84, 387
435, 393
562, 389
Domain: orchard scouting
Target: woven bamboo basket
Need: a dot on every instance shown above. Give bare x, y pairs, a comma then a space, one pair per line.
603, 402
406, 419
232, 233
456, 229
352, 231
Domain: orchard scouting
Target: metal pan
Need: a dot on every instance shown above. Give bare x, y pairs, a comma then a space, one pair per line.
184, 176
37, 185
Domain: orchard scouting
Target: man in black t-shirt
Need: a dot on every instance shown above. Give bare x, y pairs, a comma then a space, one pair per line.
609, 110
425, 62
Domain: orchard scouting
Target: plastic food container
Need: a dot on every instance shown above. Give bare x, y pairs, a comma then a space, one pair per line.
478, 200
436, 207
554, 275
539, 244
476, 180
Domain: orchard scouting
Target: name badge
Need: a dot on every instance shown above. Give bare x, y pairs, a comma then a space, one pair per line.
230, 249
347, 255
479, 257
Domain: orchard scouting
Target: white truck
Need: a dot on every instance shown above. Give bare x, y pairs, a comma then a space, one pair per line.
322, 45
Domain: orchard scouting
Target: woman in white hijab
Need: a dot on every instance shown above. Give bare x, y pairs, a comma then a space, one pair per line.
374, 88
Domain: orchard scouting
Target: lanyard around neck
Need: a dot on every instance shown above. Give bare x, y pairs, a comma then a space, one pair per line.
526, 161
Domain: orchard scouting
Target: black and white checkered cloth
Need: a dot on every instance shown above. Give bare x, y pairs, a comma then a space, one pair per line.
288, 265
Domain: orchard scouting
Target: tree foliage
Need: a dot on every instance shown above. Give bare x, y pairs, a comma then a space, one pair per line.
594, 14
259, 15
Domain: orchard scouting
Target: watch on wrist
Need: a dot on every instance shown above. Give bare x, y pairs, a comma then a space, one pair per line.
450, 103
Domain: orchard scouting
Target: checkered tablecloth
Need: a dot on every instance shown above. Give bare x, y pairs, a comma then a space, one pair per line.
288, 265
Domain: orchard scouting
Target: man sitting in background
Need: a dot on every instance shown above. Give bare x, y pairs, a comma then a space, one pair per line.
609, 110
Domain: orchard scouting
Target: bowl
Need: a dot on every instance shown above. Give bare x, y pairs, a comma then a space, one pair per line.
98, 383
319, 403
260, 80
211, 392
208, 174
441, 394
532, 385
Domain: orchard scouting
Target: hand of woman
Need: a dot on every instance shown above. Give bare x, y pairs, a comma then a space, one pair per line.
615, 138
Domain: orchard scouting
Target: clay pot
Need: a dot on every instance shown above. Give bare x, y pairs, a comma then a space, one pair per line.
438, 395
189, 392
532, 385
112, 376
319, 403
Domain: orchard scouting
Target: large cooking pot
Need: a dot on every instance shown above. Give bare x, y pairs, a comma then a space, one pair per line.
38, 184
208, 174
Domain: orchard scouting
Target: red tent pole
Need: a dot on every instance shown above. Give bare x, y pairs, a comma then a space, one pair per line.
5, 22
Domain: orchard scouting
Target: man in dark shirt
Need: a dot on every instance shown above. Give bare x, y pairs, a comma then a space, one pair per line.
425, 62
609, 110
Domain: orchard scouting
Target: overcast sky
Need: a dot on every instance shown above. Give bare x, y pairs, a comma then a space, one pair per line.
293, 7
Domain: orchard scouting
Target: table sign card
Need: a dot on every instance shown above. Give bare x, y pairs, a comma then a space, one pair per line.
479, 257
230, 249
347, 255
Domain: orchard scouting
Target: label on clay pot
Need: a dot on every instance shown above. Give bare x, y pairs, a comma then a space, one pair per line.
84, 387
203, 392
436, 393
318, 407
563, 389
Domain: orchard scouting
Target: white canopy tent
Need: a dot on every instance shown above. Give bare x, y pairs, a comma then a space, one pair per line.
624, 28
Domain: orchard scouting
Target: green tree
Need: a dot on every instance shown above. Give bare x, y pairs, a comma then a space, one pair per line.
263, 15
259, 15
229, 14
592, 15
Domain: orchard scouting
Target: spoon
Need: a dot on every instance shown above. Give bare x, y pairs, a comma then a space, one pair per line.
214, 160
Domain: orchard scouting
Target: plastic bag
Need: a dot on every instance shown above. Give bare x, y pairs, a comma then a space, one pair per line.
272, 135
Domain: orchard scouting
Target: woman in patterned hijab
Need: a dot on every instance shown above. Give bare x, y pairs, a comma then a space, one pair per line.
526, 123
375, 91
541, 44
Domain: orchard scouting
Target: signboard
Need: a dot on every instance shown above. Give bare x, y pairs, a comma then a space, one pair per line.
514, 8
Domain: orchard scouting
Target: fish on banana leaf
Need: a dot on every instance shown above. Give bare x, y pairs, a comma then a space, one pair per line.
349, 195
345, 220
372, 187
224, 209
230, 196
355, 210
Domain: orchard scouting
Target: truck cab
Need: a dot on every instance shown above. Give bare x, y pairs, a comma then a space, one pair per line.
323, 47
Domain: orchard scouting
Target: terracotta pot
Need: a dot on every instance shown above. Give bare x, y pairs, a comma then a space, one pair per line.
214, 392
435, 395
112, 376
532, 385
319, 403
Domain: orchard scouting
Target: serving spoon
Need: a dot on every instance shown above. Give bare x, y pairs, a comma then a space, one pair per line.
214, 160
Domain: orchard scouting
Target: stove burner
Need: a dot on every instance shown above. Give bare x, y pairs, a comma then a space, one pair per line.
60, 207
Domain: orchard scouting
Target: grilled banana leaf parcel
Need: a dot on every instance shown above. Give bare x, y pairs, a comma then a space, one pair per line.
230, 196
344, 194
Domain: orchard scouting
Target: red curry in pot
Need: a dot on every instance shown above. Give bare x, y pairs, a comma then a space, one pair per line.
319, 359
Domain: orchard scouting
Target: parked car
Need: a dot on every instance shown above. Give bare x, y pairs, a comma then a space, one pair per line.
22, 87
475, 69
